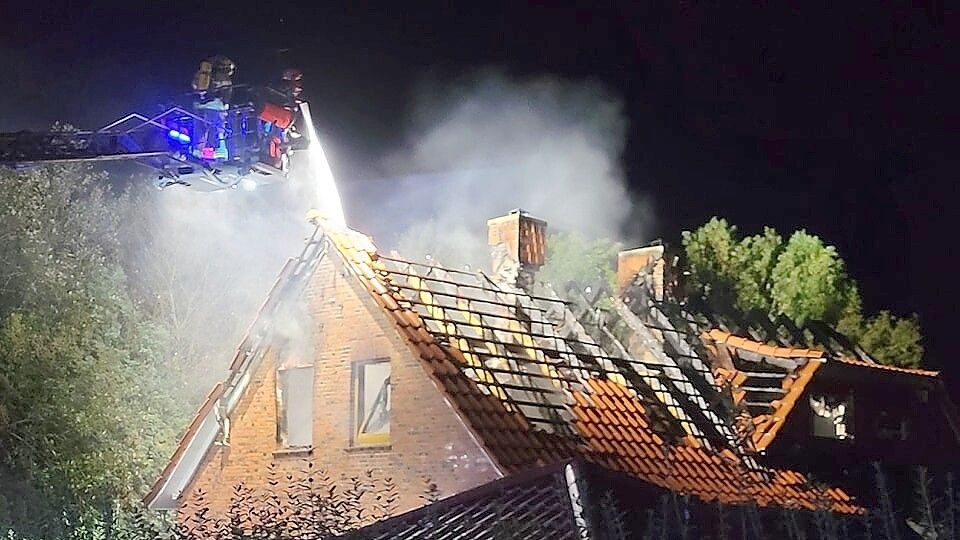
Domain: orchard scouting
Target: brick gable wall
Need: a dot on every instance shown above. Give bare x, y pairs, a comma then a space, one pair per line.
428, 441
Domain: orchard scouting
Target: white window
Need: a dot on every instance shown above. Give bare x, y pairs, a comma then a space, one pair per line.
295, 402
371, 402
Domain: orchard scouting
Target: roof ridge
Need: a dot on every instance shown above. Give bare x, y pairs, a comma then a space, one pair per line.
740, 342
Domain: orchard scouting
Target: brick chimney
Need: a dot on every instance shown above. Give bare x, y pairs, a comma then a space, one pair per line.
632, 261
519, 245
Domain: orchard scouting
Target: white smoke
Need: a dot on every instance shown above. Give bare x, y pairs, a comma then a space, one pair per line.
490, 144
475, 150
209, 260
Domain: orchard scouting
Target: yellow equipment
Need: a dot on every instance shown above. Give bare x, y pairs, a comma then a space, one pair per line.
201, 81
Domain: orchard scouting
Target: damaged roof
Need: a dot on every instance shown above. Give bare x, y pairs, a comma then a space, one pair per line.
762, 364
540, 379
536, 388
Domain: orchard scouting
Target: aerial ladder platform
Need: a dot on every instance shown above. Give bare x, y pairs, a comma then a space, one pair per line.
248, 142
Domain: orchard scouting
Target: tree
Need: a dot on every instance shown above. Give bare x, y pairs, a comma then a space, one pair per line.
711, 260
889, 337
802, 278
755, 258
571, 257
84, 419
809, 281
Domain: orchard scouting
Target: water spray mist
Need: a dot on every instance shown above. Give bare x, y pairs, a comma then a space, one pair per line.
329, 198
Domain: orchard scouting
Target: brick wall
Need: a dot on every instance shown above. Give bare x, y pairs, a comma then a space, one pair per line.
427, 439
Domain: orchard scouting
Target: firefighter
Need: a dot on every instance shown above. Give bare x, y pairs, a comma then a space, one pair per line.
221, 79
292, 84
201, 80
213, 84
214, 79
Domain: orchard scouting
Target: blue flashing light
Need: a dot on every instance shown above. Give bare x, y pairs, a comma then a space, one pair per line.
178, 136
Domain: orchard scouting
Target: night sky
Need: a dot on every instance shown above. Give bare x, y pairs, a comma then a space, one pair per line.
834, 120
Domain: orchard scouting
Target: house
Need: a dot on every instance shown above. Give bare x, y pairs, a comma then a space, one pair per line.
453, 379
809, 399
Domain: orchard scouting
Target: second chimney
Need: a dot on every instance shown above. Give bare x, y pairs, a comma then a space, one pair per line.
631, 262
519, 247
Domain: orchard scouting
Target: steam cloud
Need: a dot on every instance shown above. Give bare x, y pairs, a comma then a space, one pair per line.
475, 150
491, 144
209, 260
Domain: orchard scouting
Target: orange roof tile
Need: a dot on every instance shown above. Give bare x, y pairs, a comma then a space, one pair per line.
727, 338
793, 383
884, 367
687, 469
609, 424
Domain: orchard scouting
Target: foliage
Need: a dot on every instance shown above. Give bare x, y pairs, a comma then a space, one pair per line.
571, 257
308, 503
711, 260
802, 278
195, 299
890, 337
755, 258
84, 423
809, 281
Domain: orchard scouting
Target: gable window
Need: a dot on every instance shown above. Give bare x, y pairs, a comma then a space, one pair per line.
892, 426
371, 402
295, 406
832, 416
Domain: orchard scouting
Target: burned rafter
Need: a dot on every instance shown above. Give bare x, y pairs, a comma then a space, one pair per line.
647, 379
701, 401
496, 343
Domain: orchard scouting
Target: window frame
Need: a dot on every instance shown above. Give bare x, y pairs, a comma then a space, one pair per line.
885, 430
283, 431
849, 415
357, 383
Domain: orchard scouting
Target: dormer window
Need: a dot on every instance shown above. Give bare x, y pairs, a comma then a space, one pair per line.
832, 416
371, 402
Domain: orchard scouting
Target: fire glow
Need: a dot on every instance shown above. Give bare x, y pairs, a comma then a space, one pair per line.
329, 198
